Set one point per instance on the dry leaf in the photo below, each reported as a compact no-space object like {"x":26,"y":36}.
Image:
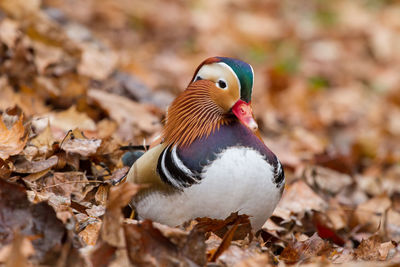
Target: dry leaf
{"x":368,"y":250}
{"x":371,"y":214}
{"x":67,"y":183}
{"x":72,"y":119}
{"x":83,"y":147}
{"x":91,"y":233}
{"x":299,"y":198}
{"x":96,"y":63}
{"x":25,"y":166}
{"x":119,"y":197}
{"x":13,"y":134}
{"x":36,"y":220}
{"x":326,"y":179}
{"x":127,"y":113}
{"x":302,"y":251}
{"x":20,"y":250}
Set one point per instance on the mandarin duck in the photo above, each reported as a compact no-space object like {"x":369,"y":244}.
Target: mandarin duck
{"x":211,"y":160}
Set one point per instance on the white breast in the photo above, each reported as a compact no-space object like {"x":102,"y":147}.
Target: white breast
{"x":238,"y":180}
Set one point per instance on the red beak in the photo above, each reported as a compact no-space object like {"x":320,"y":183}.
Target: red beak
{"x":244,"y":113}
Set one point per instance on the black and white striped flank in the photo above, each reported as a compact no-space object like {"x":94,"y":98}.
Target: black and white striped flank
{"x":173,"y":171}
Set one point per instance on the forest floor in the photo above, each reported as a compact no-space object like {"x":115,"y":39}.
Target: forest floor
{"x":81,"y":80}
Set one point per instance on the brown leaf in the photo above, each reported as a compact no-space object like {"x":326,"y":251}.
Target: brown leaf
{"x":299,"y":198}
{"x":127,"y":113}
{"x":20,"y":8}
{"x":21,"y":249}
{"x":103,"y":255}
{"x":326,"y":229}
{"x":44,"y":141}
{"x":95,"y":62}
{"x":36,"y":220}
{"x":226,"y":242}
{"x":25,"y":166}
{"x":13,"y":135}
{"x":147,"y":246}
{"x":67,"y":183}
{"x":326,"y":179}
{"x":119,"y":197}
{"x":370,"y":214}
{"x":368,"y":250}
{"x":4,"y":170}
{"x":91,"y":233}
{"x":301,"y":251}
{"x":221,"y":227}
{"x":83,"y":147}
{"x":72,"y":119}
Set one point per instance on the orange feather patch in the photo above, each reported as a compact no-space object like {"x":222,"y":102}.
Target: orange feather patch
{"x":192,"y":115}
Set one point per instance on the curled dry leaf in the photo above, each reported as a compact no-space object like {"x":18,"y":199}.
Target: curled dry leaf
{"x":13,"y":134}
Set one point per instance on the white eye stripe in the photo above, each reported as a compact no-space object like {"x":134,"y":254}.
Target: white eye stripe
{"x":234,"y":74}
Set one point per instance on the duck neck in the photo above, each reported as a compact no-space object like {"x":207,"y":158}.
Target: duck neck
{"x":193,"y":115}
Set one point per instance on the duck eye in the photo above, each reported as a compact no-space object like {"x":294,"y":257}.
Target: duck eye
{"x":198,"y":78}
{"x":221,"y":84}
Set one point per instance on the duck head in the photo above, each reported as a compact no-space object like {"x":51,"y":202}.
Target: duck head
{"x":219,"y":92}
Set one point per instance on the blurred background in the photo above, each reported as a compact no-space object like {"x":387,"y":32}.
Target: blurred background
{"x":326,"y":73}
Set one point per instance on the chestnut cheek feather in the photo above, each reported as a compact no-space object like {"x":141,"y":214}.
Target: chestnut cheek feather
{"x":244,"y":113}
